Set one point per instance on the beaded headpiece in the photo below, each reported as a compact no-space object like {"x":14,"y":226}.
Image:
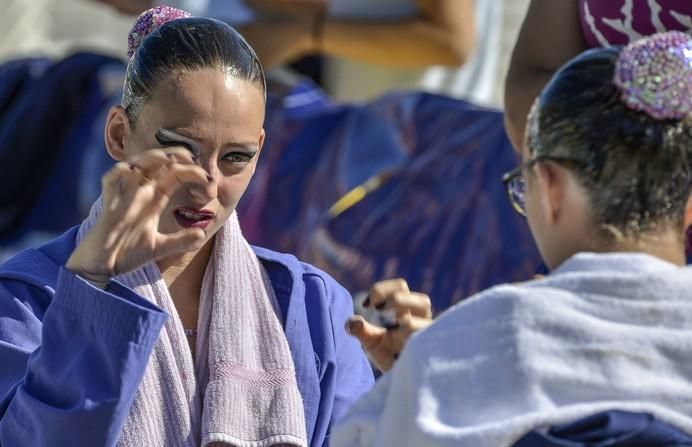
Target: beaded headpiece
{"x":149,"y":21}
{"x":655,"y":75}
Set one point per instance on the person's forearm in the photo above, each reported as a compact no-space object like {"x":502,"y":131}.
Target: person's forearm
{"x":403,"y":44}
{"x":550,"y":36}
{"x":76,"y":388}
{"x":278,"y":43}
{"x":522,"y":88}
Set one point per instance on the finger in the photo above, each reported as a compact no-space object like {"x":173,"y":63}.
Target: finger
{"x":367,"y":334}
{"x":110,"y":185}
{"x":176,"y":176}
{"x":118,"y":185}
{"x":383,"y":358}
{"x":154,"y":157}
{"x":108,"y":181}
{"x":180,"y":242}
{"x":385,"y":289}
{"x":418,"y":304}
{"x":129,"y":216}
{"x":396,"y":338}
{"x":154,"y":163}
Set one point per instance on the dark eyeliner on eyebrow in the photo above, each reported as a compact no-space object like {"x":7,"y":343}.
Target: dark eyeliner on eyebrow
{"x":170,"y":140}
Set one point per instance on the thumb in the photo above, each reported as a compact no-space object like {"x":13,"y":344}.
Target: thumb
{"x":368,"y":334}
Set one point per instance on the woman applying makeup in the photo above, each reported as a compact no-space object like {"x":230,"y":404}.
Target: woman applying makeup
{"x":154,"y":322}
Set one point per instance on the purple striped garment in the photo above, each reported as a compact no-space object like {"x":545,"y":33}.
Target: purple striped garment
{"x":619,"y":22}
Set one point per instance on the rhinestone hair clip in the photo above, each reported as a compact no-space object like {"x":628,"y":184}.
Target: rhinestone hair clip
{"x":655,"y":75}
{"x":149,"y":21}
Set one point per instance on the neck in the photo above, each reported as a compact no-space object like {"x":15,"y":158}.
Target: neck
{"x":666,"y":245}
{"x":188,"y":266}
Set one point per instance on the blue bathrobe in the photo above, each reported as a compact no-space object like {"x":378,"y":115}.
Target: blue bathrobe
{"x":72,"y":355}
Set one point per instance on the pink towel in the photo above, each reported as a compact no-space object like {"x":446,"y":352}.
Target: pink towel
{"x":241,"y":388}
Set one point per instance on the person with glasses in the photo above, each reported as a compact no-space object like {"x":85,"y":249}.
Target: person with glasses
{"x":605,"y":184}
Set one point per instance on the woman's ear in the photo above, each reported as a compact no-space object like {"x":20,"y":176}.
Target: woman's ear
{"x":551,"y":182}
{"x":116,"y":131}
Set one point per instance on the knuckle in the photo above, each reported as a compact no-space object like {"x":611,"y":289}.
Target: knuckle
{"x":399,"y":298}
{"x":376,"y":289}
{"x":118,"y":168}
{"x":427,"y":302}
{"x":155,"y":153}
{"x":178,"y":168}
{"x":400,"y":283}
{"x":180,"y":154}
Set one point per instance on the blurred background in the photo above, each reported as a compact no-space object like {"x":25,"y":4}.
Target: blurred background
{"x":385,"y":141}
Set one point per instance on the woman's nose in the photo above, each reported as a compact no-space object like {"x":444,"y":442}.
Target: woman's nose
{"x":207,"y":191}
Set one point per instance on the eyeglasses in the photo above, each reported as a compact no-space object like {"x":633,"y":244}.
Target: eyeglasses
{"x":515,"y":182}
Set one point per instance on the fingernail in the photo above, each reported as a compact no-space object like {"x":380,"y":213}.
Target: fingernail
{"x":366,"y":301}
{"x":381,"y":305}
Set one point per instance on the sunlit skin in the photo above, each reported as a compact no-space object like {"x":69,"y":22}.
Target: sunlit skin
{"x":206,"y":128}
{"x":194,"y":147}
{"x":219,"y":119}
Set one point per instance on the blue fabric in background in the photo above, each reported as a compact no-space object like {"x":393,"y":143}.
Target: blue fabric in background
{"x":47,"y":113}
{"x":442,"y":220}
{"x":609,"y":429}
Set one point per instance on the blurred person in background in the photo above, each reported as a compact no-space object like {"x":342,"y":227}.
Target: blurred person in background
{"x":409,"y":33}
{"x":605,"y":182}
{"x":62,"y":66}
{"x":480,"y":79}
{"x":59,"y":28}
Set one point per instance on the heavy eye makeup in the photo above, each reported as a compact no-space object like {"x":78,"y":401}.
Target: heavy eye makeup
{"x":168,"y":138}
{"x":239,"y":157}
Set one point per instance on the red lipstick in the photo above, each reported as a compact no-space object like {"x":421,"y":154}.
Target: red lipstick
{"x":188,"y":217}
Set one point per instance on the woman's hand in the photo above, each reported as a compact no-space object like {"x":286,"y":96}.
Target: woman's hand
{"x":126,"y":235}
{"x":412,"y":311}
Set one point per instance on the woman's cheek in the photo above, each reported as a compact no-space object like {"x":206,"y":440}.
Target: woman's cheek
{"x":231,"y":190}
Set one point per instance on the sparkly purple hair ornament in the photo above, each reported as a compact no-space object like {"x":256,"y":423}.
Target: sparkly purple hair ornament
{"x":149,"y":21}
{"x":655,"y":75}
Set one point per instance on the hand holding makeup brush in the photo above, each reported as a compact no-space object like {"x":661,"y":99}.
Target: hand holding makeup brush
{"x":411,"y":312}
{"x":135,"y":193}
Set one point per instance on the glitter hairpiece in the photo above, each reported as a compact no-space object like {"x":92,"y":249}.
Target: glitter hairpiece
{"x":655,"y":75}
{"x":148,"y":22}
